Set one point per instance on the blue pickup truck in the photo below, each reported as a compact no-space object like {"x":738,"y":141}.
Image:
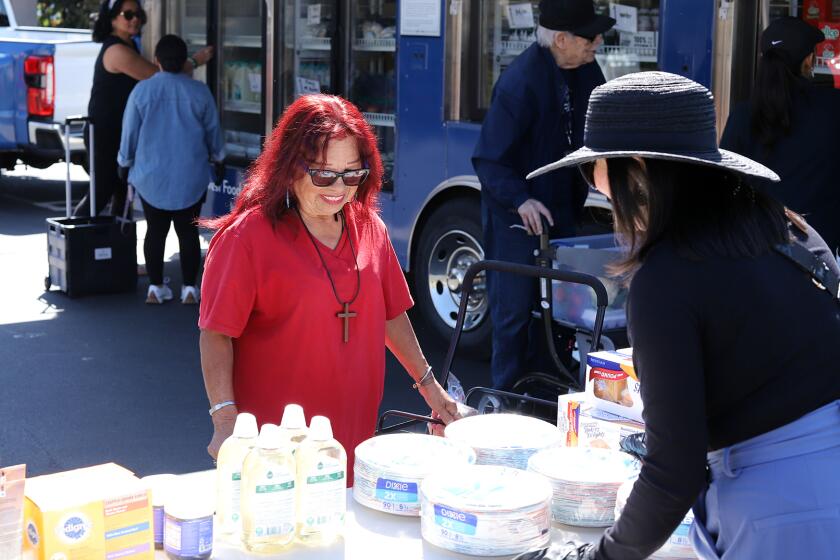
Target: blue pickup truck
{"x":45,"y":76}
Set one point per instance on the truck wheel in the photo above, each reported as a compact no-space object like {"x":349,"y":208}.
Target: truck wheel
{"x":449,"y":243}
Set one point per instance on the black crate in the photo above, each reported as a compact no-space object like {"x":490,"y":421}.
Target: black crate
{"x":92,"y":255}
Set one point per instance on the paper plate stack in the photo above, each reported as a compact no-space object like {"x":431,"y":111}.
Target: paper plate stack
{"x":585,"y":481}
{"x":506,"y":440}
{"x":389,"y":469}
{"x":486,"y":510}
{"x":678,"y":545}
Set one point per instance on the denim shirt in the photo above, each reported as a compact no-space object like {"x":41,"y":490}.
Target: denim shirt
{"x":536,"y":116}
{"x":170,"y":132}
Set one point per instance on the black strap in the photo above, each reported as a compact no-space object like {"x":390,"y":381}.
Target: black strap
{"x":821,"y":274}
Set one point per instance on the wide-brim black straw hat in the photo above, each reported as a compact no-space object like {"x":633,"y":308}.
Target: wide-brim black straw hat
{"x":655,"y":115}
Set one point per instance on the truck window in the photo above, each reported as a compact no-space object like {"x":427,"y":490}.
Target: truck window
{"x":4,"y":17}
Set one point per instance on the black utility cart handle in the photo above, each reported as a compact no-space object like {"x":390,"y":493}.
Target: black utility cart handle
{"x":534,"y":272}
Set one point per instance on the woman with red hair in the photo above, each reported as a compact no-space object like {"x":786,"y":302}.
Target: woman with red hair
{"x":302,"y":290}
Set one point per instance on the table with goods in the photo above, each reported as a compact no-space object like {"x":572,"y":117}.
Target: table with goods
{"x":495,"y":485}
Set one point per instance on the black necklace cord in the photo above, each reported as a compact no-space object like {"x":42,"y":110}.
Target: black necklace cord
{"x":344,"y":229}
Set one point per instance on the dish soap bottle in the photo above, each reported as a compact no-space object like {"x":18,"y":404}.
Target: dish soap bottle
{"x":268,"y":494}
{"x":322,"y":485}
{"x":229,"y":473}
{"x":293,"y":425}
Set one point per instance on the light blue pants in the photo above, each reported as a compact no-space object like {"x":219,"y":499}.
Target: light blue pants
{"x":776,"y":495}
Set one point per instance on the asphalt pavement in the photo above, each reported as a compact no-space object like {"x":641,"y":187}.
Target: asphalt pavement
{"x":107,"y":378}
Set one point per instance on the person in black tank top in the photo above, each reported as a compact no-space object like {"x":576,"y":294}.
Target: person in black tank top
{"x":118,"y":68}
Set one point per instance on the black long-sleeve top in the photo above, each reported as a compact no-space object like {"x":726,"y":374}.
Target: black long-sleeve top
{"x":726,"y":349}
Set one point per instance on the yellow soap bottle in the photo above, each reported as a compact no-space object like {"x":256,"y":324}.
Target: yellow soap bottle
{"x":229,"y":473}
{"x":268,"y":494}
{"x":322,"y":485}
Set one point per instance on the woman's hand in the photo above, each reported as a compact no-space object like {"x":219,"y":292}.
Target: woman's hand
{"x":203,"y":56}
{"x":443,"y":406}
{"x":223,"y":421}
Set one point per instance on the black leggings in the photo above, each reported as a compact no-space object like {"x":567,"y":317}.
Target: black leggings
{"x":157,"y":222}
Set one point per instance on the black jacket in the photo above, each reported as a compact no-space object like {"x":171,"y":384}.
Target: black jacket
{"x":807,"y":160}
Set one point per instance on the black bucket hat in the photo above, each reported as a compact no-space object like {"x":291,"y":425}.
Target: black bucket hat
{"x":575,"y":16}
{"x":655,"y":115}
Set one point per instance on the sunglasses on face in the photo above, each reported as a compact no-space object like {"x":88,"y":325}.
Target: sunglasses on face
{"x":326,"y":178}
{"x":587,"y":171}
{"x":131,"y":14}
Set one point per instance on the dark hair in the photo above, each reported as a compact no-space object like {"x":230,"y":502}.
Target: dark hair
{"x":303,"y":134}
{"x":102,"y":26}
{"x":705,"y":211}
{"x":171,"y":52}
{"x":772,"y":99}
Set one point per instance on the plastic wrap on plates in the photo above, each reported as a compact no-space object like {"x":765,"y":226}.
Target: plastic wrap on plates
{"x":507,"y":440}
{"x":678,"y":545}
{"x":585,"y":482}
{"x":486,"y":510}
{"x":388,"y":469}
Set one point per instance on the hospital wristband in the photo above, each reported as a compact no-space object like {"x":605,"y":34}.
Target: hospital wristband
{"x":217,"y":407}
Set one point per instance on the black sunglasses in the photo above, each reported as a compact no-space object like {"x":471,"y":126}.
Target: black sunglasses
{"x":131,"y":14}
{"x":587,"y":171}
{"x":326,"y":178}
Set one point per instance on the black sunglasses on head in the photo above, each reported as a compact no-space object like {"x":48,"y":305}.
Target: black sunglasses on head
{"x":131,"y":14}
{"x":326,"y":178}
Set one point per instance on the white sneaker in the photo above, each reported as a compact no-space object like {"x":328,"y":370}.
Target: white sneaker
{"x":190,"y":295}
{"x":158,"y":294}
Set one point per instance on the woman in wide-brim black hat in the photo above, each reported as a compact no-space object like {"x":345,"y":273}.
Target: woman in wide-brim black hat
{"x":736,"y":349}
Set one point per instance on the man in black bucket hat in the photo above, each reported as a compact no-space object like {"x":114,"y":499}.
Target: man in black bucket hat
{"x":535,"y":117}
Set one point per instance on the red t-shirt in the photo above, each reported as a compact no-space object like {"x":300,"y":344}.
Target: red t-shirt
{"x":267,"y":288}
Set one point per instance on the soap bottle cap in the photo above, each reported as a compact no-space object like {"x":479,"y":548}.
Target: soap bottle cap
{"x":269,"y":437}
{"x":293,"y":418}
{"x":246,"y":426}
{"x":320,"y":428}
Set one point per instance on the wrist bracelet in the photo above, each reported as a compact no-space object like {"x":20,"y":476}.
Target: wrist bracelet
{"x":194,"y":62}
{"x":425,"y":380}
{"x":217,"y":407}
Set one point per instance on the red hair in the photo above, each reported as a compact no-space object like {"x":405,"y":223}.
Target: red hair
{"x":301,"y":137}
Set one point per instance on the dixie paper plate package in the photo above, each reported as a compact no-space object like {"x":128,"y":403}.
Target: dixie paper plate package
{"x":101,"y":512}
{"x":612,"y":384}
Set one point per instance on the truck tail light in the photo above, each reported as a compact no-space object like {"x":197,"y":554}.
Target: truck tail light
{"x":39,"y":75}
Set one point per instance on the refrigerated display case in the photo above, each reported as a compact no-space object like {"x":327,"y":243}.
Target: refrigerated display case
{"x":240,"y":63}
{"x":371,"y":80}
{"x":310,"y":28}
{"x":508,"y":27}
{"x":188,"y":19}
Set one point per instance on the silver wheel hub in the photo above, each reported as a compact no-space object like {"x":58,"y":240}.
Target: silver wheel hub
{"x":451,"y":256}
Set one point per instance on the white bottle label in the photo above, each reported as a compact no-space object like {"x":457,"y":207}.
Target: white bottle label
{"x":273,"y":504}
{"x":233,"y":520}
{"x":324,"y":499}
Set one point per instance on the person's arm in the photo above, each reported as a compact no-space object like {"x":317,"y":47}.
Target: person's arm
{"x":212,"y":129}
{"x":507,"y":122}
{"x":402,"y":342}
{"x":122,"y":59}
{"x":668,"y":355}
{"x":735,"y":131}
{"x":217,"y":368}
{"x":132,"y":121}
{"x":200,"y":58}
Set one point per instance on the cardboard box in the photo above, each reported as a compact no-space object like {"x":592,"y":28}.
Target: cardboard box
{"x":612,"y":384}
{"x":585,"y":426}
{"x":95,"y":513}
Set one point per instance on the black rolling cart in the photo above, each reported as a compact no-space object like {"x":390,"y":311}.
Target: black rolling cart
{"x":93,"y":254}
